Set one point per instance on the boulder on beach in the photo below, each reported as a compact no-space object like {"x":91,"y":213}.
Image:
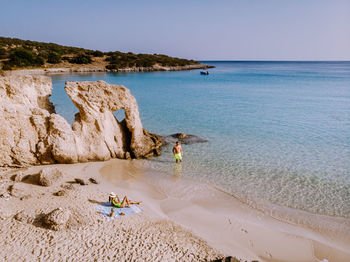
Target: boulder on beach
{"x":57,"y":219}
{"x":49,"y":176}
{"x":31,"y":133}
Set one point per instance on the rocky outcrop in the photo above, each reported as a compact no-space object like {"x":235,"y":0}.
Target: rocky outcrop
{"x":31,"y":133}
{"x":57,"y":219}
{"x":99,"y":135}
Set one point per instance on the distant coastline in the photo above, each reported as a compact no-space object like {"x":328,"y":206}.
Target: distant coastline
{"x":23,"y":56}
{"x":94,"y":69}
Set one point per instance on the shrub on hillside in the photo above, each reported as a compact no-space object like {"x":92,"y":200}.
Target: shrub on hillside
{"x":97,"y":53}
{"x":81,"y":59}
{"x":21,"y":57}
{"x":54,"y":58}
{"x":3,"y":53}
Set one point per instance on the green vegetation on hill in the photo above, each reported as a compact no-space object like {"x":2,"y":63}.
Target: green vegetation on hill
{"x":122,"y":60}
{"x":17,"y":53}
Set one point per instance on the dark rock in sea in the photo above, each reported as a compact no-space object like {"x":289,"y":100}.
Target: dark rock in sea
{"x":183,"y":138}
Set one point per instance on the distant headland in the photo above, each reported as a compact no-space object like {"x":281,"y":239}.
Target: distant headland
{"x":17,"y":54}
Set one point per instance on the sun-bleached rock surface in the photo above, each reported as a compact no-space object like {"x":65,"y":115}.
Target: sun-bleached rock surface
{"x":49,"y":176}
{"x":31,"y":133}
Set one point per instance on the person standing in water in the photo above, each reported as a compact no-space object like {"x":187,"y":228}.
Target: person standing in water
{"x":177,"y":151}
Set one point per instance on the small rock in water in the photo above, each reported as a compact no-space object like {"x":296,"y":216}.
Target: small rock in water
{"x":57,"y":219}
{"x":49,"y":176}
{"x":94,"y":180}
{"x":80,"y":181}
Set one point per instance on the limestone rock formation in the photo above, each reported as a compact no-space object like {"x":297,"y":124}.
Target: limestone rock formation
{"x":24,"y":112}
{"x":99,"y":135}
{"x":31,"y":133}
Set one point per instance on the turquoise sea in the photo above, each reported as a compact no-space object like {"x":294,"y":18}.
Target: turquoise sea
{"x":279,"y":132}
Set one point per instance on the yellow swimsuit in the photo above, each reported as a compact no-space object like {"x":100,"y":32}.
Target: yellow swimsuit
{"x":178,"y":156}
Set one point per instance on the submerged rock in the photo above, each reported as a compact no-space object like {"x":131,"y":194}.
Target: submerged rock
{"x":57,"y":219}
{"x":31,"y":133}
{"x":183,"y":138}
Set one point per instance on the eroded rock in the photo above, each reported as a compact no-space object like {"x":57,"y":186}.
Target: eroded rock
{"x":32,"y":134}
{"x":57,"y":219}
{"x":99,"y":135}
{"x":49,"y":176}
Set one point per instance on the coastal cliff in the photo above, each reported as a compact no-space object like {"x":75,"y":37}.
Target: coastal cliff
{"x":31,"y":133}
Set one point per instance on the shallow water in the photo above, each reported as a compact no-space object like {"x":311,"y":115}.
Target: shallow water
{"x":279,"y":132}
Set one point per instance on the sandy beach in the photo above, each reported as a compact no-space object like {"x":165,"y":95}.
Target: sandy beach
{"x":182,"y":220}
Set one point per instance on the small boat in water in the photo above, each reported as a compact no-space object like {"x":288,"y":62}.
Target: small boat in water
{"x":204,"y":72}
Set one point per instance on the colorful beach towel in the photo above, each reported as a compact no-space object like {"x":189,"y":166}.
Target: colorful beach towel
{"x":106,"y":208}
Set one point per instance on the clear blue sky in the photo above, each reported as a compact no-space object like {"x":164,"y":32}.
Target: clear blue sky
{"x":202,"y":29}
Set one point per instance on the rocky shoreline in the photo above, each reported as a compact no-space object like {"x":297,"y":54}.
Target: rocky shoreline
{"x":102,"y":68}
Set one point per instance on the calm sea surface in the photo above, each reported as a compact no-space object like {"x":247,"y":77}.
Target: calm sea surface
{"x":279,"y":132}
